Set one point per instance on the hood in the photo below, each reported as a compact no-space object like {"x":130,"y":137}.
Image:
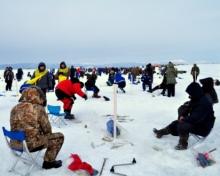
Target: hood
{"x":207,"y":84}
{"x":63,"y":63}
{"x":41,"y":64}
{"x":170,"y":65}
{"x":195,"y":91}
{"x":33,"y":95}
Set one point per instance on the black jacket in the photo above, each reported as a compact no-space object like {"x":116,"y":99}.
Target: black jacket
{"x":201,"y":114}
{"x":91,"y":80}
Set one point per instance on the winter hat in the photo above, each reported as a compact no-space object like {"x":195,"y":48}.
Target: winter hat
{"x":33,"y":95}
{"x":41,"y":64}
{"x":195,"y":91}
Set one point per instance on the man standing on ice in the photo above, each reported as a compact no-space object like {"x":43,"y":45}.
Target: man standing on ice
{"x":197,"y":118}
{"x":65,"y":92}
{"x":195,"y":72}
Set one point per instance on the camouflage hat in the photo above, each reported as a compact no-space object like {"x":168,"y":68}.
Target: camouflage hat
{"x":33,"y":95}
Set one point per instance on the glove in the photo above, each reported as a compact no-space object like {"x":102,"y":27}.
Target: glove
{"x":85,"y":97}
{"x":74,"y":97}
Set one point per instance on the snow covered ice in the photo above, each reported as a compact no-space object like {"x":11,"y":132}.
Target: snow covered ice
{"x":155,"y":157}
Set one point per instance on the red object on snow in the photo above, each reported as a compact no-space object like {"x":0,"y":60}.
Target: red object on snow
{"x":77,"y":164}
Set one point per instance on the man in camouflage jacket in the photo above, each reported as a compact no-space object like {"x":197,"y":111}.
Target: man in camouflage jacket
{"x":30,"y":116}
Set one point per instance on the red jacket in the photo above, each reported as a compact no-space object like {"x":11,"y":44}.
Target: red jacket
{"x":70,"y":88}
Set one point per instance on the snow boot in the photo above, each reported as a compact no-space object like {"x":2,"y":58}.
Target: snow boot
{"x":160,"y":133}
{"x":95,"y":95}
{"x":53,"y":164}
{"x":69,"y":116}
{"x":183,"y":143}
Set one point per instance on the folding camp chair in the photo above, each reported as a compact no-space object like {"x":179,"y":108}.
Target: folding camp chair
{"x":198,"y":140}
{"x":21,"y":154}
{"x":55,"y":115}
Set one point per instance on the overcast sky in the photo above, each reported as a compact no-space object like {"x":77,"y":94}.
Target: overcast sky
{"x":99,"y":31}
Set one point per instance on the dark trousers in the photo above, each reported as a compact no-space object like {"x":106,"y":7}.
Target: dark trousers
{"x":171,"y":90}
{"x":66,"y":100}
{"x":160,"y":87}
{"x":147,"y":84}
{"x":44,"y":91}
{"x":95,"y":89}
{"x":8,"y":85}
{"x":195,"y":78}
{"x":121,"y":85}
{"x":181,"y":128}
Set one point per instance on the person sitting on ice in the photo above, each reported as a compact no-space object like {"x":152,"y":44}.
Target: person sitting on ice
{"x":120,"y":81}
{"x":111,"y":78}
{"x":198,"y":118}
{"x":30,"y":116}
{"x":65,"y":92}
{"x":209,"y":90}
{"x":161,"y":86}
{"x":91,"y":84}
{"x":146,"y":80}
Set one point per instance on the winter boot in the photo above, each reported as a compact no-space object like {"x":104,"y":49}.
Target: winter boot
{"x":122,"y":90}
{"x":69,"y":116}
{"x":160,"y":133}
{"x":183,"y":143}
{"x":53,"y":164}
{"x":95,"y":95}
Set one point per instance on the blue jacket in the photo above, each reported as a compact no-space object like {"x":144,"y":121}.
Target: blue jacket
{"x":146,"y":79}
{"x":119,"y":78}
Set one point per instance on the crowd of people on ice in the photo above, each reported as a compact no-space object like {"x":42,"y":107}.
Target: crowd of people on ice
{"x":195,"y":116}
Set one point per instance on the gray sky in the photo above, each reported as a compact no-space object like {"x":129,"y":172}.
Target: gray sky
{"x":100,"y":31}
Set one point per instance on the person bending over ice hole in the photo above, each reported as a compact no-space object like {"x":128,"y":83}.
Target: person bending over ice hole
{"x":90,"y":85}
{"x":30,"y":116}
{"x":146,"y":81}
{"x":65,"y":92}
{"x":120,"y":81}
{"x":196,"y":117}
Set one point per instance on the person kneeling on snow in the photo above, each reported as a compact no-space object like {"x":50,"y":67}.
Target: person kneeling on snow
{"x":197,"y":118}
{"x":30,"y":116}
{"x":120,"y":80}
{"x":90,"y":85}
{"x":65,"y":92}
